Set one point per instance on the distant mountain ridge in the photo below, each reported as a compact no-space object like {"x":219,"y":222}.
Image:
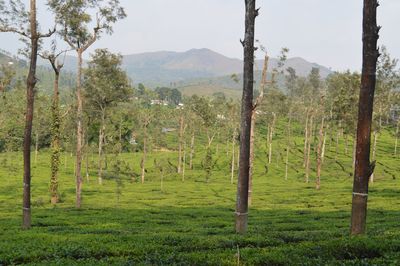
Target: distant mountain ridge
{"x":165,"y":67}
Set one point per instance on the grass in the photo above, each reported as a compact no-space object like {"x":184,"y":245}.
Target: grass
{"x":192,"y":222}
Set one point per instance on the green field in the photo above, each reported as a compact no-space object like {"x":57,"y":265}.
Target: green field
{"x":192,"y":222}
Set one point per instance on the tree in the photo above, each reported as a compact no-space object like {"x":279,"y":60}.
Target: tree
{"x":105,"y":85}
{"x":56,"y":65}
{"x":7,"y":74}
{"x":363,"y":167}
{"x":247,"y":106}
{"x":16,"y":19}
{"x":74,"y":17}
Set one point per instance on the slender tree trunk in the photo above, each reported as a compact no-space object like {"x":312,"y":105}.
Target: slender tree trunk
{"x":184,"y":162}
{"x":308,"y":161}
{"x":305,"y":139}
{"x":247,"y":105}
{"x":251,"y":158}
{"x":181,"y":127}
{"x":364,"y":168}
{"x":79,"y":132}
{"x":289,"y":129}
{"x":319,"y":153}
{"x":30,"y":97}
{"x":271,"y":135}
{"x":101,"y":142}
{"x":324,"y":144}
{"x":55,"y":142}
{"x":191,"y":152}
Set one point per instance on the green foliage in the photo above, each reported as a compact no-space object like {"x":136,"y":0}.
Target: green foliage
{"x":76,"y":18}
{"x":343,"y":90}
{"x":105,"y":82}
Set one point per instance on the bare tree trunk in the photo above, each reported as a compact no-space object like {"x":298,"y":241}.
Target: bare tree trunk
{"x":310,"y":135}
{"x":79,"y":133}
{"x":30,"y":97}
{"x":101,"y":142}
{"x":251,"y":158}
{"x":181,"y":128}
{"x":271,"y":135}
{"x":191,"y":152}
{"x":247,"y":106}
{"x":324,"y":144}
{"x":289,"y":129}
{"x":305,"y":139}
{"x":319,"y":153}
{"x":184,"y":162}
{"x":364,"y":168}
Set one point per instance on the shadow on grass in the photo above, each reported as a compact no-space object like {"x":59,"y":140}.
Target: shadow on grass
{"x":196,"y":236}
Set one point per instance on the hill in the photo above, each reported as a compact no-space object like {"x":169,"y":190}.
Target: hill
{"x":165,"y":67}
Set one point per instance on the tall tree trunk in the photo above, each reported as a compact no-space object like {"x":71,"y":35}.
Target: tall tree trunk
{"x":324,"y":143}
{"x":55,"y":141}
{"x":251,"y":158}
{"x":184,"y":162}
{"x":364,"y":168}
{"x":233,"y":155}
{"x":180,"y":142}
{"x":79,"y":133}
{"x":397,"y":138}
{"x":308,"y":161}
{"x":271,"y":135}
{"x":247,"y":106}
{"x":191,"y":152}
{"x":289,"y":129}
{"x":30,"y":97}
{"x":319,"y":153}
{"x":305,"y":139}
{"x":101,"y":142}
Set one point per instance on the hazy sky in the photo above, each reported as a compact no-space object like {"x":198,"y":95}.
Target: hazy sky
{"x":324,"y":31}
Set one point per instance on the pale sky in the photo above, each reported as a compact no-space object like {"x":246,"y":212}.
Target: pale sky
{"x":327,"y":32}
